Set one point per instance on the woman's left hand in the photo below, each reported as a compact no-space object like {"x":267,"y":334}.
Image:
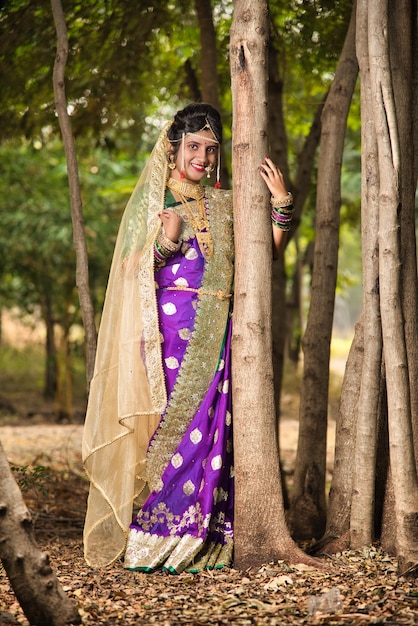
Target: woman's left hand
{"x":273,"y":178}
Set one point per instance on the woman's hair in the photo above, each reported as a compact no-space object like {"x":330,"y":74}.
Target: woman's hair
{"x":191,"y":119}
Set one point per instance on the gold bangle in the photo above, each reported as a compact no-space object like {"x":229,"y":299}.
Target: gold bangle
{"x":167,"y":244}
{"x":279,"y":203}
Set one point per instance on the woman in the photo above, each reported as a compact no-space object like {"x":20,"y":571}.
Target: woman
{"x":158,"y":434}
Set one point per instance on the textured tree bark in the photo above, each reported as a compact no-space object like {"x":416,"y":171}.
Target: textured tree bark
{"x":336,"y":536}
{"x":401,"y":449}
{"x":260,"y":529}
{"x":364,"y":454}
{"x":308,"y":509}
{"x":403,"y":59}
{"x":404,"y":69}
{"x":34,"y":583}
{"x":286,"y":319}
{"x":82,"y":272}
{"x":387,"y":399}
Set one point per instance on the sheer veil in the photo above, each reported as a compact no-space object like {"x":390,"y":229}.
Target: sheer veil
{"x":127,"y":392}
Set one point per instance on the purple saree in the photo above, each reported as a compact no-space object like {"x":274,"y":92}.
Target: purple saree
{"x":186,"y":521}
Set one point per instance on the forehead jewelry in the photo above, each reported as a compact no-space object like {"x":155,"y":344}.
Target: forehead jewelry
{"x":207,"y":126}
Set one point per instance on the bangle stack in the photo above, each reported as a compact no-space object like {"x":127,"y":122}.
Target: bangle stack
{"x":282,"y":211}
{"x":164,"y":247}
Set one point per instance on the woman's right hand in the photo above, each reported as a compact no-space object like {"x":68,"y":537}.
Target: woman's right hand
{"x":172,"y":224}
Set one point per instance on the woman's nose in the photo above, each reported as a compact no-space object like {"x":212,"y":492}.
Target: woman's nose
{"x":202,"y":154}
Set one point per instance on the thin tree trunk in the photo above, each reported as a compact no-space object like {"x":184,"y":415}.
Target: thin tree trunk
{"x":300,"y":190}
{"x":336,"y":536}
{"x":308,"y":511}
{"x":402,"y":461}
{"x":278,"y":152}
{"x":404,"y":67}
{"x":403,"y":58}
{"x":208,"y":44}
{"x":260,"y":529}
{"x":34,"y":583}
{"x":51,"y":356}
{"x":82,"y":272}
{"x":277,"y":127}
{"x":209,"y":68}
{"x":363,"y":496}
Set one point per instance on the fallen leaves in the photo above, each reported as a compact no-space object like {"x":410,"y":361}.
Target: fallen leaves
{"x":368,"y":591}
{"x":364,"y":584}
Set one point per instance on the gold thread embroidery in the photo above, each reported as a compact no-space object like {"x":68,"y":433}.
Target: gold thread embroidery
{"x":201,"y":358}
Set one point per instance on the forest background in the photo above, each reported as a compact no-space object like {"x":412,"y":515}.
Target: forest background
{"x":128,"y":72}
{"x":129,"y":69}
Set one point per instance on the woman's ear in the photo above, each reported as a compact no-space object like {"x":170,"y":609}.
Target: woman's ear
{"x":172,"y":150}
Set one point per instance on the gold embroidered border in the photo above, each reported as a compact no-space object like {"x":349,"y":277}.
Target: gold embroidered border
{"x":148,"y":552}
{"x":201,"y":358}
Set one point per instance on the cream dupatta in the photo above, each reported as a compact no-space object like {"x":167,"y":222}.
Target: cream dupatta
{"x":127,"y":391}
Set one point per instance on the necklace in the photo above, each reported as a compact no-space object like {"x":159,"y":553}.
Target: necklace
{"x":199,"y":221}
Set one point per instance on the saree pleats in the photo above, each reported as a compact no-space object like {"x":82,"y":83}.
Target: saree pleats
{"x":186,"y":522}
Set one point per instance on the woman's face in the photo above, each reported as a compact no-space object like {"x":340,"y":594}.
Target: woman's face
{"x":200,"y":152}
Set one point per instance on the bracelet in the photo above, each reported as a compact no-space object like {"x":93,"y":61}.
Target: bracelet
{"x":167,"y":244}
{"x":288,"y":210}
{"x":159,"y":253}
{"x":282,"y":218}
{"x":279,"y":203}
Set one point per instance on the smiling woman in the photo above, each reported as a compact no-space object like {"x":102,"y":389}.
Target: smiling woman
{"x":158,"y":428}
{"x":158,"y":431}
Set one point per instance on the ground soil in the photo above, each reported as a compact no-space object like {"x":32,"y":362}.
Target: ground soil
{"x":359,"y":588}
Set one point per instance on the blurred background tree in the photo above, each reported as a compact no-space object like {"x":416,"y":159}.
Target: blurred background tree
{"x":130,"y":67}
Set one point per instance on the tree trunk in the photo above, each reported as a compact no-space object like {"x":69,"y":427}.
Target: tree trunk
{"x":260,"y":529}
{"x":82,"y":272}
{"x":51,"y":357}
{"x":308,"y":511}
{"x":403,"y":58}
{"x":300,"y":190}
{"x":402,"y":460}
{"x":336,"y":537}
{"x":29,"y":571}
{"x":404,"y":68}
{"x":363,"y":496}
{"x":208,"y":62}
{"x":209,"y":67}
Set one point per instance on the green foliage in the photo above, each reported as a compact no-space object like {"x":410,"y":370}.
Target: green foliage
{"x":120,"y":58}
{"x":38,"y":259}
{"x":32,"y":479}
{"x":307,"y":38}
{"x":129,"y":67}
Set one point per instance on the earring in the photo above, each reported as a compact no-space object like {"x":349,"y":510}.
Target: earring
{"x":182,"y":174}
{"x":171,"y":161}
{"x":209,"y":169}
